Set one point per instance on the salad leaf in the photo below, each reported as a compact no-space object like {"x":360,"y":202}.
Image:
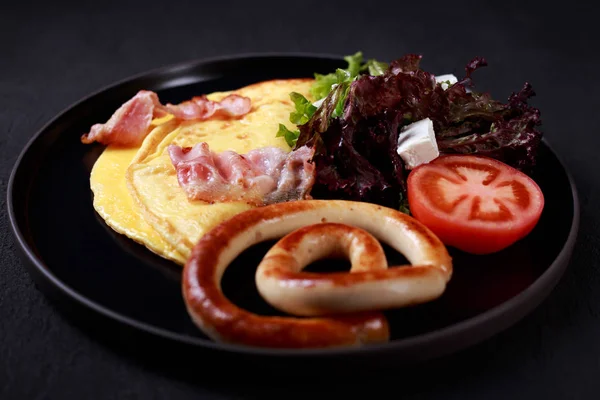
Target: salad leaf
{"x":512,"y":137}
{"x":304,"y":109}
{"x":290,"y":136}
{"x":376,"y":67}
{"x":342,"y":95}
{"x":324,"y":84}
{"x":354,"y":63}
{"x":338,"y":83}
{"x":404,"y":206}
{"x":321,"y":119}
{"x":355,"y":130}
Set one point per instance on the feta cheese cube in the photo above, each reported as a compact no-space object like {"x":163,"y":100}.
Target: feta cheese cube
{"x":417,"y":144}
{"x":446,"y":80}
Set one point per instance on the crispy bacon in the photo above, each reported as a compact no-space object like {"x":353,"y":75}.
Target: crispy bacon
{"x":128,"y":126}
{"x":262,"y":176}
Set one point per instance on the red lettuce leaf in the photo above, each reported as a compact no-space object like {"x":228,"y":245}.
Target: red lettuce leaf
{"x":355,"y":152}
{"x":512,"y":137}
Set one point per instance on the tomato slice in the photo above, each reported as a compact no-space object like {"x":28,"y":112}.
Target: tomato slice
{"x":476,"y":204}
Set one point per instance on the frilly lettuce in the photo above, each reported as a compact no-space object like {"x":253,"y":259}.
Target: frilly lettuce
{"x":355,"y":129}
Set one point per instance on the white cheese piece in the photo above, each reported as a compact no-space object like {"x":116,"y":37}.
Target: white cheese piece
{"x":444,"y":79}
{"x":417,"y":144}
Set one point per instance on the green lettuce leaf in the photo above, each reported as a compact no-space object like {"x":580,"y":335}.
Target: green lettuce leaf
{"x":340,"y":81}
{"x":375,"y":67}
{"x":322,"y":85}
{"x":291,"y":137}
{"x":304,"y":112}
{"x":354,"y":64}
{"x":304,"y":109}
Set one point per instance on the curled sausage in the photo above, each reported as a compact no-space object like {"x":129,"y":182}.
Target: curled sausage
{"x":370,"y":285}
{"x":221,"y":320}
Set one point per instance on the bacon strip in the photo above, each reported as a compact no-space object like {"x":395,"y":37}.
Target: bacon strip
{"x":202,"y":108}
{"x":262,"y":176}
{"x":128,"y":126}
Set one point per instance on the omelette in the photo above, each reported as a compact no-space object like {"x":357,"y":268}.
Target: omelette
{"x":136,"y":190}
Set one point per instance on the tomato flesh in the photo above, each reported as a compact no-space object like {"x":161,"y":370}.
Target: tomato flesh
{"x":474,"y":203}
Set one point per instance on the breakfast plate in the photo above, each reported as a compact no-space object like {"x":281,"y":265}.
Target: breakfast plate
{"x":131,"y":290}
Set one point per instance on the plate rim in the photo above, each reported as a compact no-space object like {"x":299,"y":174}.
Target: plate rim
{"x":554,"y":271}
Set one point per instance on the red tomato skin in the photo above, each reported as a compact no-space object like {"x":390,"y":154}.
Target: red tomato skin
{"x":467,"y":239}
{"x":473,"y":240}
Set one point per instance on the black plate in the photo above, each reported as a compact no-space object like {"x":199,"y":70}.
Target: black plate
{"x":122,"y":291}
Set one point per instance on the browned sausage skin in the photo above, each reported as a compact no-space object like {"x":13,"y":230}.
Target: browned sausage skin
{"x":223,"y":321}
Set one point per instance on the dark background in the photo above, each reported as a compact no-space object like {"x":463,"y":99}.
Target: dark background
{"x":52,"y":55}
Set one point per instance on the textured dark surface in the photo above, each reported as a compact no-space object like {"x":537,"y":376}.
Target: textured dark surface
{"x":52,"y":56}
